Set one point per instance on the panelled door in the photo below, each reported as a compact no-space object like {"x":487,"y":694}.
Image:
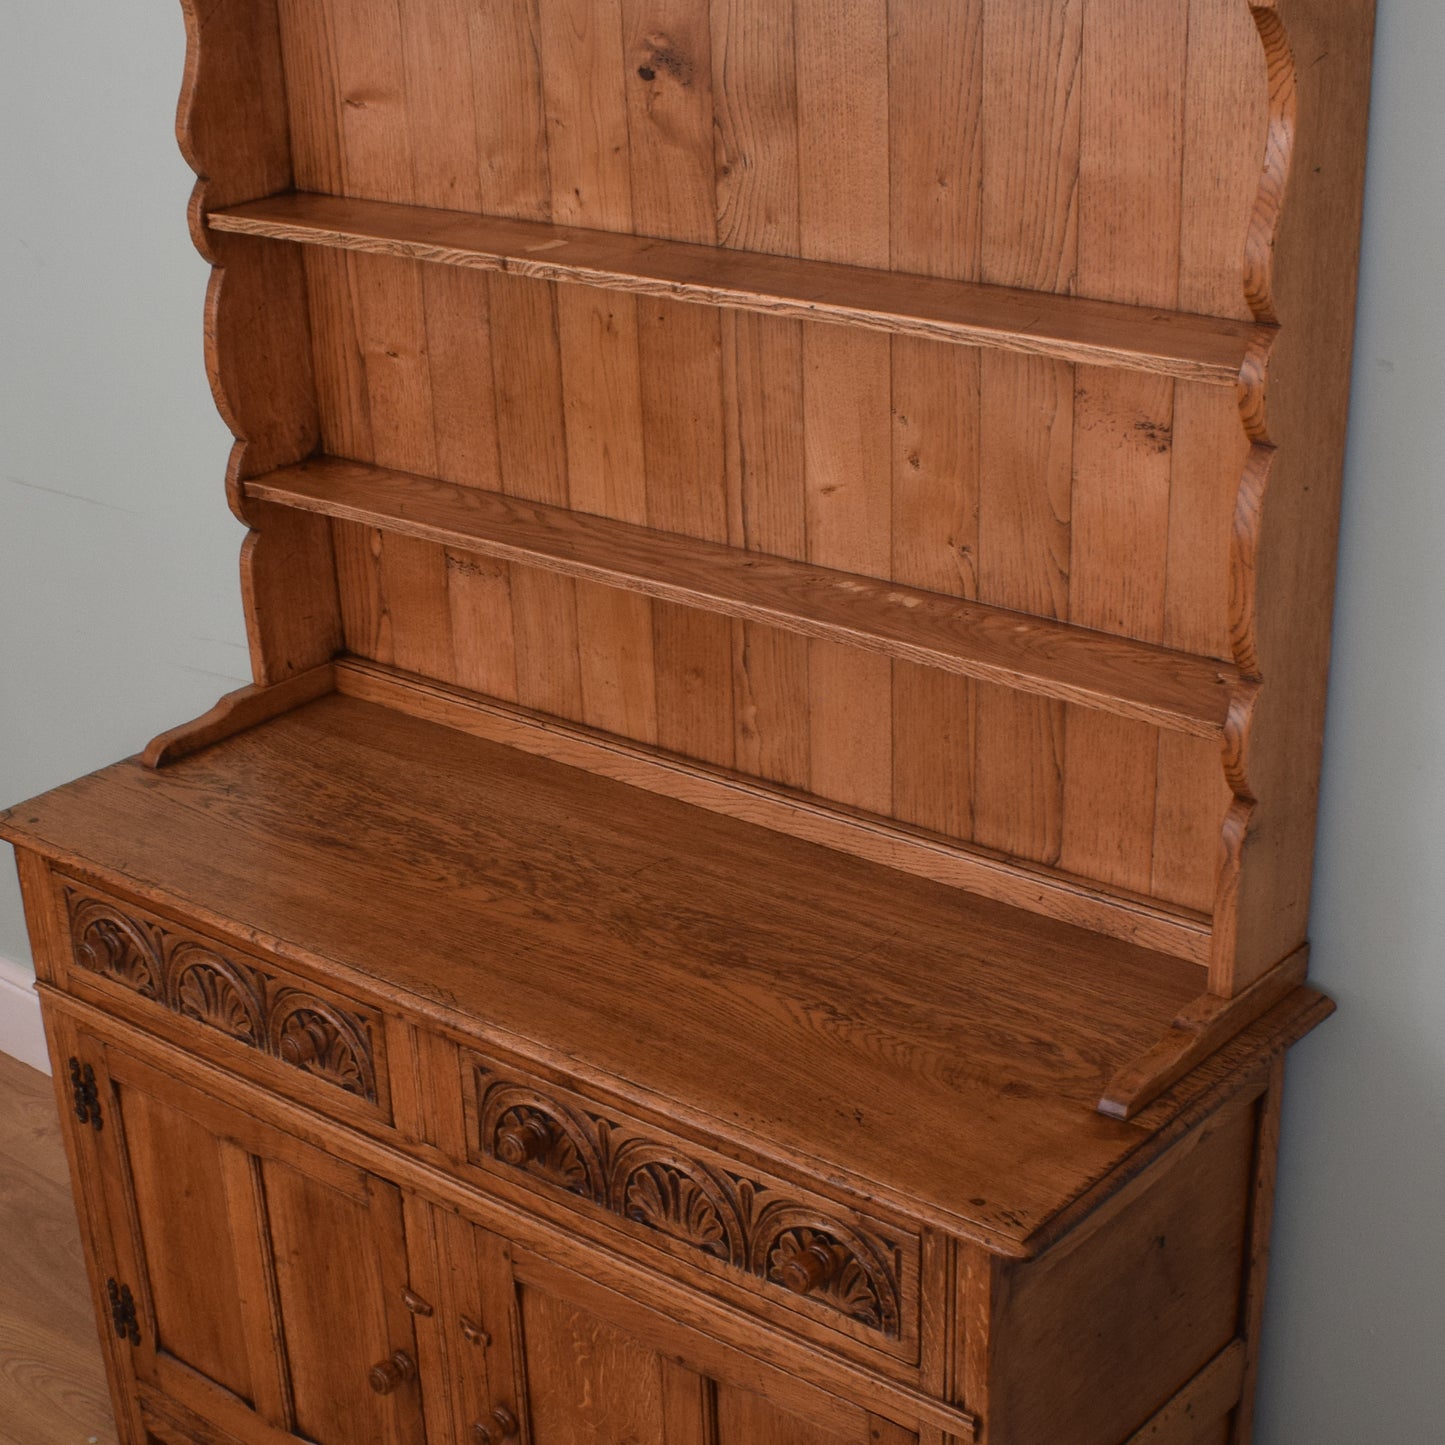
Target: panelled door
{"x":259,"y":1282}
{"x":539,"y":1355}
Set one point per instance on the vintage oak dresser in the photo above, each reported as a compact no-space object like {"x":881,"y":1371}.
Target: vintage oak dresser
{"x":758,"y":895}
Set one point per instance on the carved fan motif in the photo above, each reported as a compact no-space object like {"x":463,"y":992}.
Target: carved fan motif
{"x":110,"y":944}
{"x":529,"y":1138}
{"x":666,"y":1199}
{"x":207,"y":989}
{"x":814,"y":1264}
{"x":310,"y":1036}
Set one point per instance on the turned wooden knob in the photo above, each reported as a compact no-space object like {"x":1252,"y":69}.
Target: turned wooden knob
{"x":809,"y":1269}
{"x":501,"y":1425}
{"x":303,"y":1045}
{"x":522,"y":1141}
{"x":391,"y":1374}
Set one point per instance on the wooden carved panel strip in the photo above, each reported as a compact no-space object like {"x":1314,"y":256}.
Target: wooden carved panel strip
{"x":738,"y":1221}
{"x":194,"y":979}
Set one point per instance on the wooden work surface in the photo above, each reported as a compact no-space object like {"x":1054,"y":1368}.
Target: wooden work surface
{"x":940,"y":1051}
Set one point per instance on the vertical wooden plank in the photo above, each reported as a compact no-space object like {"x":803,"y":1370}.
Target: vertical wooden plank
{"x":582,"y":82}
{"x":343,"y":405}
{"x":258,"y":1305}
{"x":369,"y":88}
{"x":390,"y":308}
{"x":457,"y":307}
{"x":1130,"y":174}
{"x":1031,"y":60}
{"x":313,"y":106}
{"x":935,"y":105}
{"x":1226,"y":114}
{"x":515,"y":180}
{"x":842,"y":59}
{"x":755,"y":103}
{"x":505,"y":47}
{"x":384,"y":305}
{"x":668,"y":69}
{"x":440,"y":82}
{"x":688,"y":1406}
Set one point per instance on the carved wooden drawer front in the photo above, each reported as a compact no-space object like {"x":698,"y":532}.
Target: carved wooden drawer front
{"x":287,"y":1027}
{"x":753,"y":1232}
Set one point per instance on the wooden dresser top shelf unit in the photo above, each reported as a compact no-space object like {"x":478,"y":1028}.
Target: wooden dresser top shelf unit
{"x":1215,"y":350}
{"x":868,"y":1015}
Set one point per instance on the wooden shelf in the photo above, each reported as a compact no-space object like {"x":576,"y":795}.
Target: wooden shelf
{"x":1171,"y":690}
{"x":1205,"y":349}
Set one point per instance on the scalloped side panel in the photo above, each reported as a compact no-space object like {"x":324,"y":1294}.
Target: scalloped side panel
{"x":233,"y":130}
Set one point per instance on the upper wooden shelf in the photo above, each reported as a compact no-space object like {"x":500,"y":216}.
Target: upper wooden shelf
{"x":1172,"y":690}
{"x":1206,"y":349}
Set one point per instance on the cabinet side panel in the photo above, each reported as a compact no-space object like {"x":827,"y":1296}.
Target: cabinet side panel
{"x":1322,"y":48}
{"x":1108,"y":1325}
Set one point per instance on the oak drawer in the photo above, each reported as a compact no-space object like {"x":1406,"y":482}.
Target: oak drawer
{"x":760,"y":1241}
{"x":248,"y":1013}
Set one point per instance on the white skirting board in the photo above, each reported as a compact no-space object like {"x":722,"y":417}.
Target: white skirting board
{"x":21,"y":1034}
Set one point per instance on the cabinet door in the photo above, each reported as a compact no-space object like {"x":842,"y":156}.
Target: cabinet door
{"x":542,"y":1356}
{"x":258,"y":1281}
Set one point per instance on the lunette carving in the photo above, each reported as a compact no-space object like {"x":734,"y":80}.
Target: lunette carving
{"x":108,"y":943}
{"x":734,"y":1220}
{"x":308,"y":1034}
{"x":205,"y":987}
{"x":239,"y":1000}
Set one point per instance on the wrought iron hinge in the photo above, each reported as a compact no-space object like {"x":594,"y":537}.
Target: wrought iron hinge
{"x":86,"y":1094}
{"x":122,"y":1311}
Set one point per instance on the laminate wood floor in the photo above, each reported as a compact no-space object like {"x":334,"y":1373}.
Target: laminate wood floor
{"x":52,"y":1382}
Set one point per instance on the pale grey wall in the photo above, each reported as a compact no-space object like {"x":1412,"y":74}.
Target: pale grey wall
{"x":119,"y":615}
{"x":1355,"y":1343}
{"x":119,"y":602}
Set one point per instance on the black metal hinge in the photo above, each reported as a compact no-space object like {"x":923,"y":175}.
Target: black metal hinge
{"x":122,"y":1311}
{"x":86,"y":1094}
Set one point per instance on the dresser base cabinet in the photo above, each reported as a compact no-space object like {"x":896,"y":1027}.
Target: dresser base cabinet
{"x":335,"y":1190}
{"x":272,"y":1281}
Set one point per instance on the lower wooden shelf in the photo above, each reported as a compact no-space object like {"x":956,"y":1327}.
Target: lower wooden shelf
{"x":1177,"y":691}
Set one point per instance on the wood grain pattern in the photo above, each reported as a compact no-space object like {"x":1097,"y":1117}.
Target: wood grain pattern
{"x":1206,"y":349}
{"x":1180,"y":932}
{"x":1029,"y":237}
{"x":659,"y":920}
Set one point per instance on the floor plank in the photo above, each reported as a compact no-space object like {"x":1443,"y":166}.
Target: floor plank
{"x":52,"y":1382}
